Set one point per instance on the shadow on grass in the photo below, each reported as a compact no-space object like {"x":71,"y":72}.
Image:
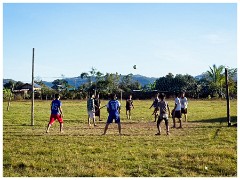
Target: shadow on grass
{"x":21,"y":125}
{"x":218,"y":120}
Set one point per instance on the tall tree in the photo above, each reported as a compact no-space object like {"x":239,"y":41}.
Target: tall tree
{"x":216,"y":77}
{"x":60,"y":84}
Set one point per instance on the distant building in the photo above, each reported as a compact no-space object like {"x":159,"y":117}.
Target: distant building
{"x":25,"y":89}
{"x":29,"y":87}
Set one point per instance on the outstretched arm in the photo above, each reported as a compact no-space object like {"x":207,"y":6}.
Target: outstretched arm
{"x":151,"y":106}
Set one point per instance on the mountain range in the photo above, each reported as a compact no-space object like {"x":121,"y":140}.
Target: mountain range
{"x":77,"y":81}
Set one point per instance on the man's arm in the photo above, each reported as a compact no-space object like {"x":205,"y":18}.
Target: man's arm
{"x":60,"y":109}
{"x":168,"y":110}
{"x":151,"y":105}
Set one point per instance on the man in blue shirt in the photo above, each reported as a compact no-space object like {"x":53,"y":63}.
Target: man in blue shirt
{"x":56,"y":113}
{"x":113,"y":108}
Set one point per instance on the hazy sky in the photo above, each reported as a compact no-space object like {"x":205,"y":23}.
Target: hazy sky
{"x":159,"y":38}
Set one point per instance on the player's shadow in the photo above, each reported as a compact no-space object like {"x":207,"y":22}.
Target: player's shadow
{"x":19,"y":125}
{"x":219,"y":120}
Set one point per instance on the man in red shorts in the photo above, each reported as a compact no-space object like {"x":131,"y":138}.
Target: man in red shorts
{"x":56,"y":113}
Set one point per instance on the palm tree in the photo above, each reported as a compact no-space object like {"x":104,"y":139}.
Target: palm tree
{"x":216,"y":76}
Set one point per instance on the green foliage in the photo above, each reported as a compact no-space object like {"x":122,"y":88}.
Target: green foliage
{"x":212,"y":83}
{"x":60,"y":85}
{"x":9,"y":85}
{"x":179,"y":83}
{"x":81,"y":151}
{"x":6,"y":93}
{"x":216,"y":78}
{"x":127,"y":84}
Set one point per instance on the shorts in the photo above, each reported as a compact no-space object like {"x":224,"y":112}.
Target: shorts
{"x":91,"y":114}
{"x":178,"y":114}
{"x":184,"y":111}
{"x":53,"y":117}
{"x":156,"y":110}
{"x":163,"y":117}
{"x":111,"y":117}
{"x":97,"y":112}
{"x":128,"y":108}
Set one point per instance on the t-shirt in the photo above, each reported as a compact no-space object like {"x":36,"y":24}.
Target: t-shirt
{"x":177,"y":101}
{"x":184,"y":102}
{"x":97,"y":102}
{"x":129,"y":103}
{"x":113,"y":106}
{"x":90,"y":104}
{"x":55,"y":106}
{"x":163,"y":107}
{"x":155,"y":102}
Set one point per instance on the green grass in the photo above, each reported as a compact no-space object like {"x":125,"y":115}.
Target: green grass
{"x":205,"y":141}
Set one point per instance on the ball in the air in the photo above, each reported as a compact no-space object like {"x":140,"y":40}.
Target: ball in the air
{"x":134,"y":67}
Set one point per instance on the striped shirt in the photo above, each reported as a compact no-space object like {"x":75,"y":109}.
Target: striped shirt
{"x":90,"y":104}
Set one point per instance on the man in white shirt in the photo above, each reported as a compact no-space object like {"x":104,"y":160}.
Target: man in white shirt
{"x":177,"y":111}
{"x":184,"y":104}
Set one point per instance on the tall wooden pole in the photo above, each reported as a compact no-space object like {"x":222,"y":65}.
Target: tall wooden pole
{"x":227,"y":97}
{"x":32,"y":112}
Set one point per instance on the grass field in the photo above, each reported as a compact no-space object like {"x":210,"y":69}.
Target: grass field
{"x":205,"y":147}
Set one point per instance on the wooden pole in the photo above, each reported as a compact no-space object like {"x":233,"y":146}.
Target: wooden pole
{"x":32,"y":112}
{"x":227,"y":97}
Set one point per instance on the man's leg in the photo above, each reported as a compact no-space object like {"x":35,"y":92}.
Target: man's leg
{"x":174,"y":122}
{"x":186,"y":117}
{"x":106,"y":128}
{"x":119,"y":128}
{"x":48,"y":127}
{"x":51,"y":121}
{"x":167,"y":126}
{"x":94,"y":121}
{"x":155,"y":116}
{"x":89,"y":123}
{"x":61,"y":127}
{"x":158,"y":127}
{"x":180,"y":121}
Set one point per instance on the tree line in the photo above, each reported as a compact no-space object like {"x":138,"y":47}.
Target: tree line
{"x":210,"y":85}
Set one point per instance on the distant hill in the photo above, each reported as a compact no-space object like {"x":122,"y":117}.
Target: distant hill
{"x":143,"y":80}
{"x":77,"y":81}
{"x":7,"y":80}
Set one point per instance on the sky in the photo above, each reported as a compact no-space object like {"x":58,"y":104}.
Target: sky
{"x":159,"y":38}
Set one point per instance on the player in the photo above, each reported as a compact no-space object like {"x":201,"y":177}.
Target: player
{"x":164,"y":114}
{"x":184,"y":104}
{"x":177,"y":111}
{"x":129,"y":107}
{"x":91,"y":109}
{"x":154,"y":104}
{"x":97,"y":104}
{"x":113,"y":108}
{"x":56,"y":113}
